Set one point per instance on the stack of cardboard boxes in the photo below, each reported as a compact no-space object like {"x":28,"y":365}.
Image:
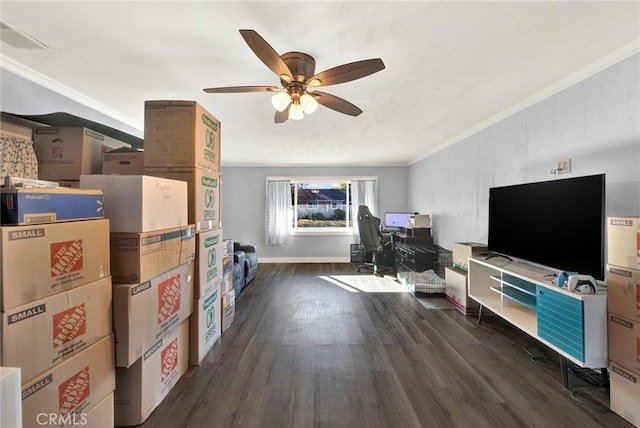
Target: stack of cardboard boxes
{"x":152,"y":251}
{"x":182,"y":142}
{"x":623,"y":305}
{"x":456,"y":289}
{"x":56,"y":305}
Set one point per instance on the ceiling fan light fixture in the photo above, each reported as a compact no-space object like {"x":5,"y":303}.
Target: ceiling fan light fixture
{"x":308,"y":103}
{"x":314,"y":82}
{"x":296,"y":112}
{"x":281,"y":100}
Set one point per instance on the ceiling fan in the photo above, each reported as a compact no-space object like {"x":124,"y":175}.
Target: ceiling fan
{"x":296,"y":71}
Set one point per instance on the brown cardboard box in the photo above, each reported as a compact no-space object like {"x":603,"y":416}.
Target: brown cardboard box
{"x":72,"y":388}
{"x":101,"y":415}
{"x":125,"y":161}
{"x":140,"y":203}
{"x":228,"y":309}
{"x":208,"y":261}
{"x":43,"y":333}
{"x":39,"y":261}
{"x":204,"y":325}
{"x":137,"y":257}
{"x":623,"y":292}
{"x":456,"y":291}
{"x":143,"y":313}
{"x":625,"y":390}
{"x":204,"y":194}
{"x":10,"y":402}
{"x":624,"y":342}
{"x":180,"y":134}
{"x":67,"y":153}
{"x":143,"y":386}
{"x":623,"y":242}
{"x":463,"y":250}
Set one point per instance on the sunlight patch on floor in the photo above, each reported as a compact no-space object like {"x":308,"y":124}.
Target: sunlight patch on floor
{"x":366,"y":283}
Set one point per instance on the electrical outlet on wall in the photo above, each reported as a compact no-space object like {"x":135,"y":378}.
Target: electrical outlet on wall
{"x":563,"y":166}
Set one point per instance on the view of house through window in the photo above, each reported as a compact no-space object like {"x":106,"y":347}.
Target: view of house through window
{"x":321,"y":204}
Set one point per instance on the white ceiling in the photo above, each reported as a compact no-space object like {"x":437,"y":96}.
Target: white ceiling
{"x":452,"y":67}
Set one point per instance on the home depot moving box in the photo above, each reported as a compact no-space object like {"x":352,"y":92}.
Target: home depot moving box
{"x":67,"y":153}
{"x":10,"y":402}
{"x":101,"y":415}
{"x":180,"y":134}
{"x":208,"y":261}
{"x":142,"y":387}
{"x":463,"y":250}
{"x":623,"y":292}
{"x":624,"y":342}
{"x":623,"y":242}
{"x":39,"y":261}
{"x":625,"y":390}
{"x":204,"y":194}
{"x":140,"y":203}
{"x":43,"y":333}
{"x":204,"y":325}
{"x":70,"y":390}
{"x":136,"y":257}
{"x":143,"y":313}
{"x":125,"y":161}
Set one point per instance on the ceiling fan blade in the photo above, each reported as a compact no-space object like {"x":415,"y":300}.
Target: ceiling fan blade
{"x":266,"y":53}
{"x":336,"y":103}
{"x":282,"y":116}
{"x":235,"y":89}
{"x":347,"y":72}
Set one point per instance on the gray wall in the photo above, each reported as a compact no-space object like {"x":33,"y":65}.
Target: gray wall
{"x":243,"y":199}
{"x":596,"y":123}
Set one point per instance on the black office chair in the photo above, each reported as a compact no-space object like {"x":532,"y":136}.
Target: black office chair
{"x":372,"y":240}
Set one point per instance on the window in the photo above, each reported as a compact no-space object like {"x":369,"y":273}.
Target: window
{"x":321,"y":205}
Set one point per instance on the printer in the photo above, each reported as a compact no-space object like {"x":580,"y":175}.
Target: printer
{"x":420,"y":221}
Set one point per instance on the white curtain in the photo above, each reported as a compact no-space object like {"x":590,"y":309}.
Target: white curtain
{"x":363,"y":192}
{"x":278,"y":212}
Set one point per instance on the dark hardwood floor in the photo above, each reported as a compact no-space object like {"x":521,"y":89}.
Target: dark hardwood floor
{"x":303,"y":352}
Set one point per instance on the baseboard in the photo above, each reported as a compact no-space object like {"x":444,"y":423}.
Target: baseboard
{"x":304,"y":260}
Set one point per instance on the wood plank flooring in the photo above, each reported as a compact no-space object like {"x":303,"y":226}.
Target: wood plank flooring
{"x":303,"y":352}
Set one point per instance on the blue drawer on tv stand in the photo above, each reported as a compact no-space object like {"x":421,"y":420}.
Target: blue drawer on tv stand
{"x":560,"y":321}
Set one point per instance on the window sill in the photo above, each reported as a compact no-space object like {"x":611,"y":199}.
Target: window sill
{"x":322,"y":232}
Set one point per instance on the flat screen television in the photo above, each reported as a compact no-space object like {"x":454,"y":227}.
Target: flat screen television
{"x":559,"y":223}
{"x":396,"y":219}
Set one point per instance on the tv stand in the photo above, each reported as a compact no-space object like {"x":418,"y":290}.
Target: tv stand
{"x":574,"y":325}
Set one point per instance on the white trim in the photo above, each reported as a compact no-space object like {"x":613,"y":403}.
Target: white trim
{"x":305,"y":260}
{"x":614,"y":57}
{"x":322,"y":231}
{"x":321,"y":178}
{"x":57,"y":87}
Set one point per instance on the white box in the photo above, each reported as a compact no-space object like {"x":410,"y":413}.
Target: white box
{"x":140,"y":203}
{"x":623,"y":241}
{"x":623,"y":292}
{"x":125,"y":161}
{"x":625,"y":390}
{"x":209,"y":254}
{"x":145,"y":312}
{"x":143,"y":386}
{"x":456,"y":291}
{"x":66,"y":153}
{"x":624,"y":342}
{"x":204,"y":325}
{"x":228,"y":309}
{"x":10,"y":399}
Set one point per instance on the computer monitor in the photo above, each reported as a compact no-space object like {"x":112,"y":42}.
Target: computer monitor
{"x":397,"y":219}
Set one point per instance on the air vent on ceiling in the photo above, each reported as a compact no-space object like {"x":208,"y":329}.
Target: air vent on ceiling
{"x":19,"y":39}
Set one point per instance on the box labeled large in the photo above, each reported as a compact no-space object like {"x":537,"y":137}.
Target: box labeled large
{"x":137,"y":257}
{"x":208,"y":261}
{"x":43,"y":333}
{"x":623,"y":241}
{"x":463,"y":250}
{"x":39,"y":261}
{"x":623,"y":292}
{"x":143,"y":313}
{"x":140,"y":203}
{"x":204,"y":194}
{"x":624,"y":342}
{"x":125,"y":161}
{"x":67,"y":153}
{"x":456,"y":290}
{"x":10,"y":402}
{"x":49,"y":205}
{"x":69,"y":390}
{"x":182,"y":134}
{"x":204,"y":326}
{"x":143,"y":386}
{"x":625,"y":390}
